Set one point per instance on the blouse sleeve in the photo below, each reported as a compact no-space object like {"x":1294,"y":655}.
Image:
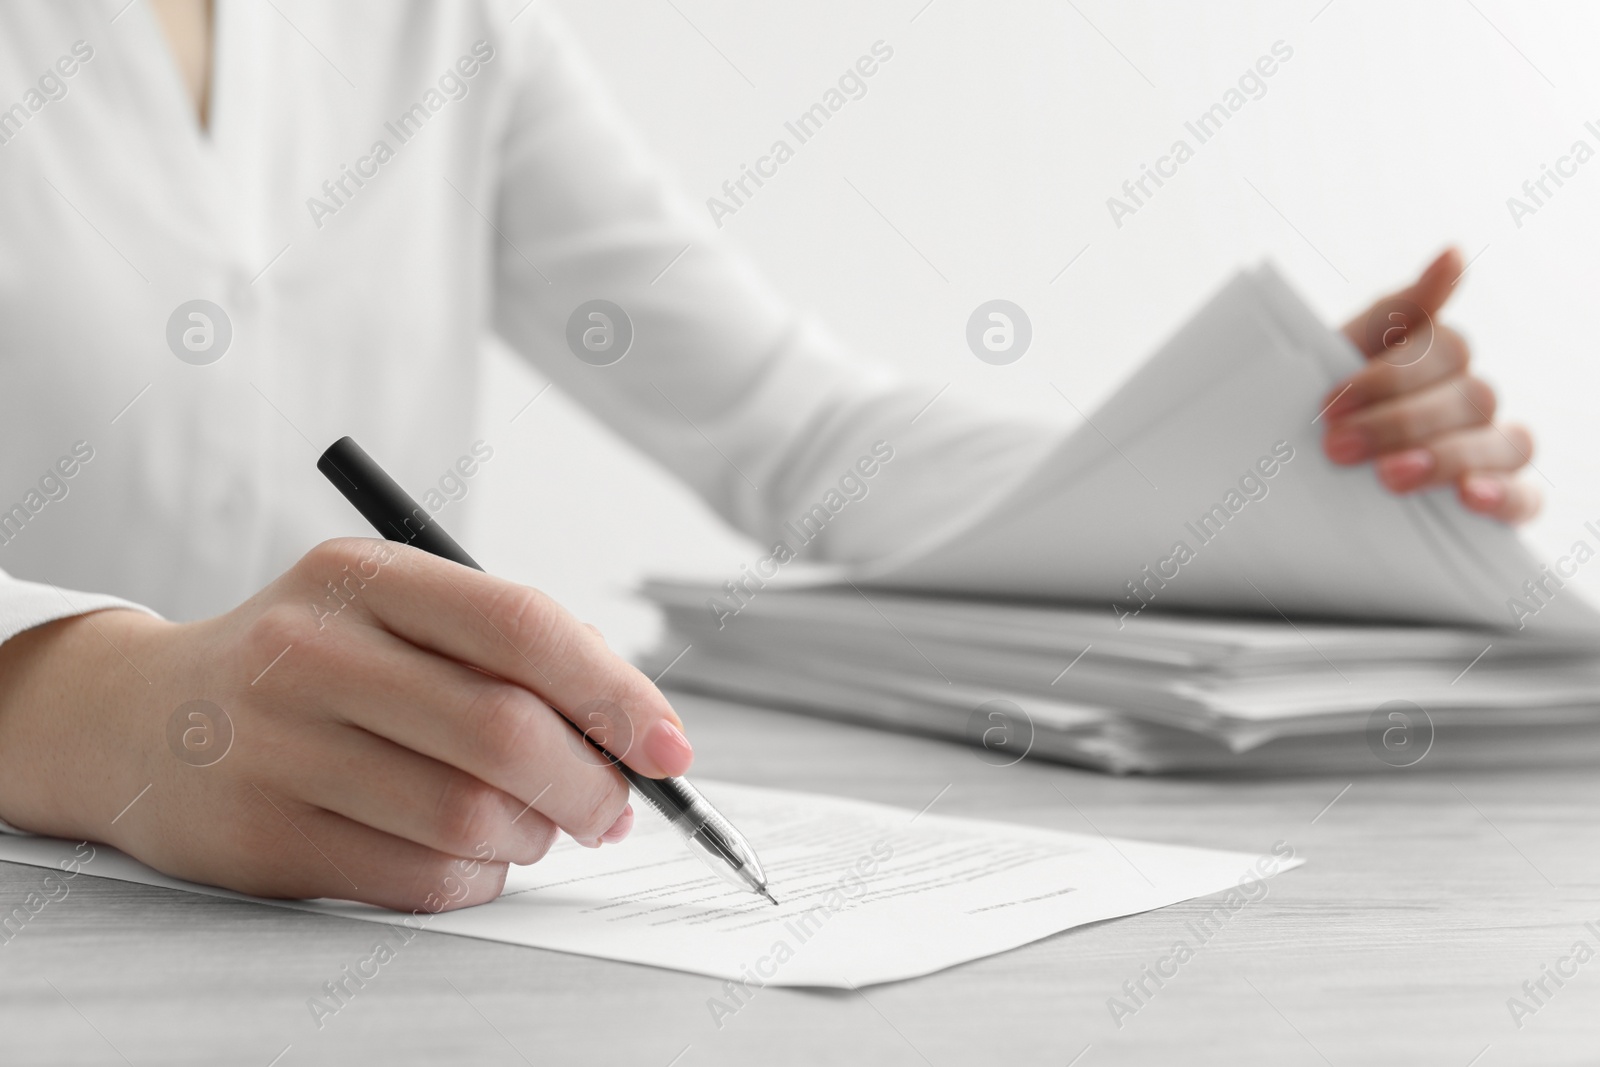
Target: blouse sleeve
{"x":693,"y":358}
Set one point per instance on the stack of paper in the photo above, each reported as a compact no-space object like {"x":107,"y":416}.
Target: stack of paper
{"x":1187,"y":583}
{"x":1170,"y":692}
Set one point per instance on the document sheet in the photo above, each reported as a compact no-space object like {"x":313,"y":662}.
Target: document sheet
{"x":868,"y":893}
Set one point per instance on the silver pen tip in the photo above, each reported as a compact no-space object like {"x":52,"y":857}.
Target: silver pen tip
{"x":767,"y":893}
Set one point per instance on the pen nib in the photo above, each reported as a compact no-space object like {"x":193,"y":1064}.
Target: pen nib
{"x":767,"y":893}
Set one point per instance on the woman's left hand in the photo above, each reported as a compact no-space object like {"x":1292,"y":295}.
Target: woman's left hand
{"x":1418,"y":412}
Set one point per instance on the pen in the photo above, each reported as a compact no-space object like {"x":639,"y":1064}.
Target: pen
{"x":397,"y":517}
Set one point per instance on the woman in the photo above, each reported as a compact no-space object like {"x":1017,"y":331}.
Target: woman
{"x":236,"y":235}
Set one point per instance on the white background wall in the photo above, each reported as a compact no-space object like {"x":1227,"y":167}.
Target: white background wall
{"x":991,"y":141}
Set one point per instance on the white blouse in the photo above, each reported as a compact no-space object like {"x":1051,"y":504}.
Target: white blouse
{"x":382,"y":185}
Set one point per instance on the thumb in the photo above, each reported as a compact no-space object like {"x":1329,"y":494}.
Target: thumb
{"x":1386,"y":324}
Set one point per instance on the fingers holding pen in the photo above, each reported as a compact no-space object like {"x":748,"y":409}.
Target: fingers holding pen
{"x":375,"y":782}
{"x":526,"y":638}
{"x":317,"y":853}
{"x":476,"y":749}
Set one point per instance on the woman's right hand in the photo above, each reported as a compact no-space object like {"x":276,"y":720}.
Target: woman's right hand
{"x":378,"y":725}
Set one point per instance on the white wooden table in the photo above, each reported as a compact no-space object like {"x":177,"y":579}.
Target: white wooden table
{"x":1427,"y":900}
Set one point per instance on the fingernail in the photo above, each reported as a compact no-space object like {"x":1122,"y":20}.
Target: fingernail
{"x":620,"y":828}
{"x":1341,"y":401}
{"x":669,"y":748}
{"x":1406,"y":470}
{"x":1483,"y":494}
{"x":588,"y":844}
{"x":1346,"y":444}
